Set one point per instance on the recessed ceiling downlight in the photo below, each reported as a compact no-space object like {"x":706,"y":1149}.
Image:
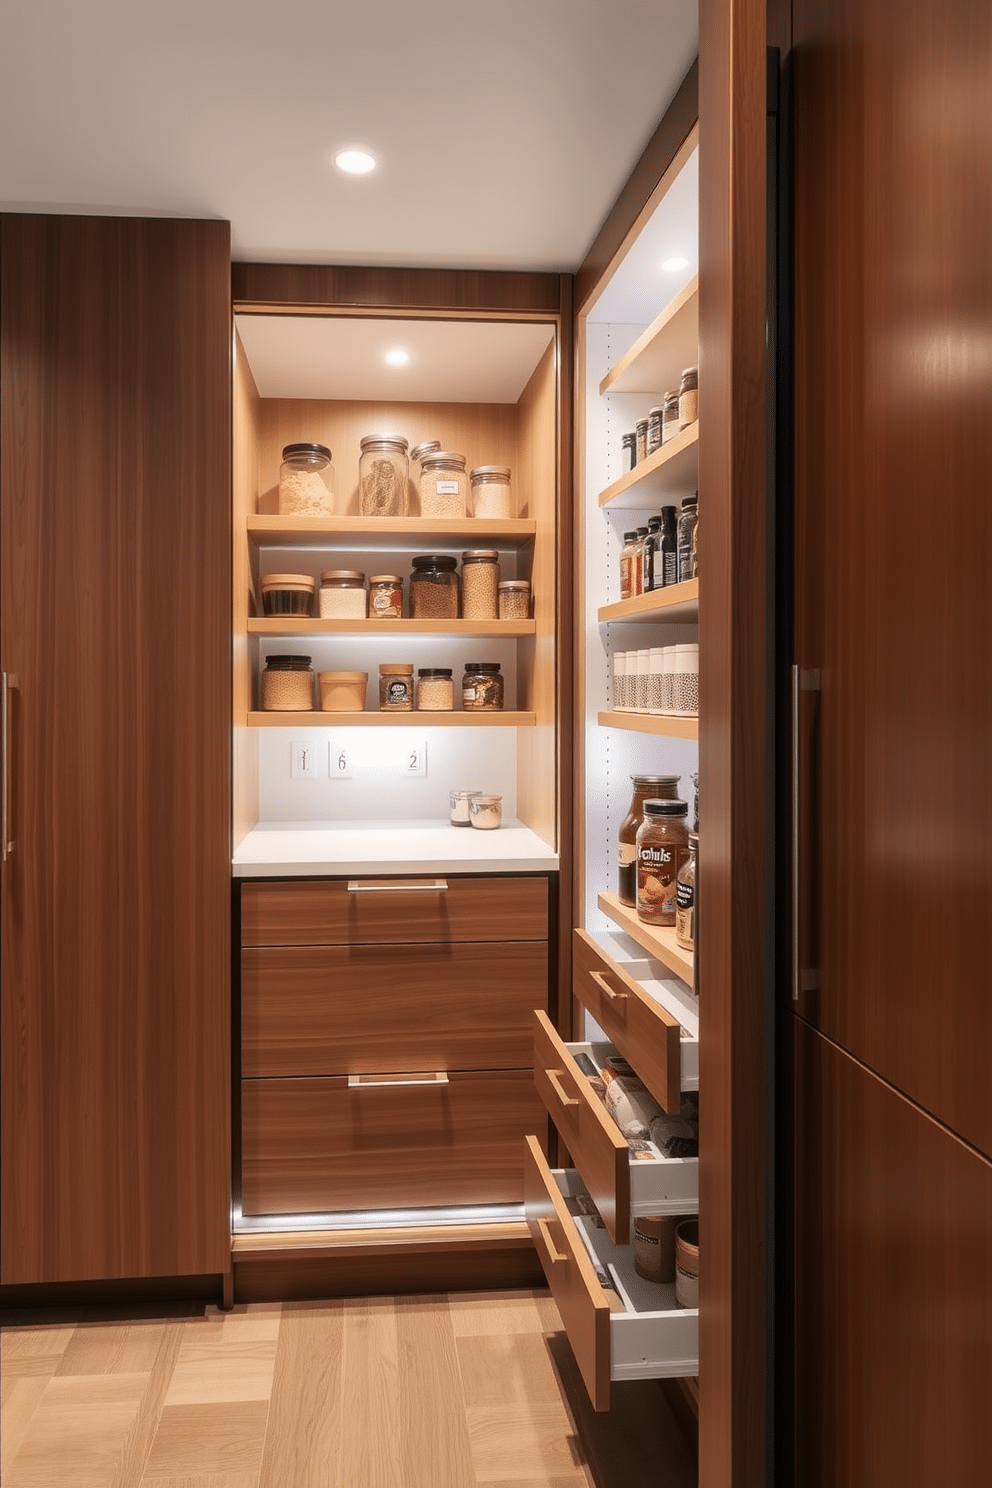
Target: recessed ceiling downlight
{"x":397,"y":357}
{"x":673,"y":265}
{"x":355,"y":162}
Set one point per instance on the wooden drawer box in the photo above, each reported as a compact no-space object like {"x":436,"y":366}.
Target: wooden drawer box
{"x":618,"y":1186}
{"x":385,"y":911}
{"x":645,"y":1335}
{"x":316,"y":1010}
{"x":316,"y":1146}
{"x":644,"y":1033}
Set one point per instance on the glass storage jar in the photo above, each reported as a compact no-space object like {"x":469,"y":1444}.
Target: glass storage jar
{"x":491,"y":495}
{"x":641,"y":432}
{"x":670,"y":416}
{"x":482,"y":687}
{"x":685,"y":898}
{"x":485,"y":812}
{"x":629,"y":446}
{"x":443,"y":484}
{"x":385,"y":597}
{"x":662,"y":844}
{"x":287,"y":685}
{"x":514,"y":599}
{"x":461,"y":801}
{"x":687,"y":539}
{"x":288,"y":594}
{"x":306,"y":481}
{"x":396,"y":686}
{"x":435,"y":690}
{"x":689,"y":397}
{"x":434,"y":587}
{"x":655,"y":421}
{"x":480,"y":584}
{"x":342,"y":595}
{"x":658,"y":787}
{"x":383,"y":476}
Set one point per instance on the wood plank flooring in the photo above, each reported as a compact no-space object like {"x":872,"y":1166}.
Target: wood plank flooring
{"x":448,"y":1391}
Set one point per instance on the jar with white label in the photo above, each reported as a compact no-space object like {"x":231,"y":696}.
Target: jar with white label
{"x":383,"y":476}
{"x":491,"y":495}
{"x":342,"y":595}
{"x":482,"y":687}
{"x":443,"y":484}
{"x":385,"y":597}
{"x":396,"y":686}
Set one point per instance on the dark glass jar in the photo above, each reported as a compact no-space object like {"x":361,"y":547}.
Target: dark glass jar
{"x":434,"y":587}
{"x":666,"y":568}
{"x":687,"y":539}
{"x":482,"y":687}
{"x":662,"y":787}
{"x":629,"y":452}
{"x":670,"y":416}
{"x":662,"y":847}
{"x":685,"y":898}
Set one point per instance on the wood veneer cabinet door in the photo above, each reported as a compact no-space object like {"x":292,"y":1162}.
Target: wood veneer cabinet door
{"x":115,"y":386}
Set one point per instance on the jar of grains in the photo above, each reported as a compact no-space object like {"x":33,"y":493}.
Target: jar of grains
{"x":435,"y":690}
{"x":287,"y":685}
{"x":670,"y":416}
{"x":491,"y":492}
{"x":434,"y":587}
{"x":396,"y":686}
{"x":486,"y":812}
{"x":443,"y":484}
{"x":689,"y":397}
{"x":662,"y":847}
{"x":514,"y":599}
{"x":306,"y":481}
{"x":385,"y":597}
{"x":383,"y":476}
{"x":641,"y":433}
{"x":288,"y":594}
{"x":342,"y":595}
{"x":482,"y":687}
{"x":480,"y":584}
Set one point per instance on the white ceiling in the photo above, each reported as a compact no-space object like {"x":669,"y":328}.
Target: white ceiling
{"x":505,"y":130}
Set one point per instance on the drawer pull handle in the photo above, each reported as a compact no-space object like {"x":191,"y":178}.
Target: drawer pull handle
{"x":432,"y":1078}
{"x":555,"y":1256}
{"x":559,"y":1089}
{"x":604,"y":985}
{"x":436,"y":886}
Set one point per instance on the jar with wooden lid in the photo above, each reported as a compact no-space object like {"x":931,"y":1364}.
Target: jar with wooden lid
{"x":443,"y":484}
{"x":491,"y":495}
{"x":435,"y":690}
{"x":306,"y":481}
{"x":480,"y":584}
{"x":342,"y":692}
{"x":661,"y":787}
{"x":482,"y":687}
{"x":383,"y":476}
{"x":662,"y":845}
{"x":434,"y":589}
{"x":288,"y":594}
{"x":342,"y":595}
{"x":689,"y":397}
{"x":385,"y":597}
{"x":396,"y":686}
{"x":685,"y":898}
{"x":287,"y":685}
{"x":513,"y":598}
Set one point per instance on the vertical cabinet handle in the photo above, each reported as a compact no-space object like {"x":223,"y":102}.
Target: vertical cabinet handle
{"x":805,"y":978}
{"x":6,"y":844}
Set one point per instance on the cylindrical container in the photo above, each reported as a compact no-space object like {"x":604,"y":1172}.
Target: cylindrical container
{"x":654,"y":1247}
{"x":629,"y":452}
{"x":628,"y":557}
{"x":287,"y":685}
{"x":513,"y":599}
{"x":687,"y":539}
{"x":342,"y":692}
{"x":650,"y":555}
{"x":288,"y":594}
{"x":654,"y":429}
{"x":485,"y":812}
{"x":306,"y":481}
{"x":383,"y":476}
{"x":640,"y":537}
{"x":685,"y":898}
{"x":668,"y":679}
{"x":435,"y":690}
{"x":620,"y":681}
{"x":642,"y":439}
{"x":461,"y":801}
{"x":491,"y":494}
{"x":443,"y":484}
{"x":643,"y":680}
{"x":482,"y":687}
{"x":434,"y":587}
{"x":342,"y":595}
{"x":670,"y":416}
{"x":689,"y":397}
{"x":662,"y":847}
{"x":659,"y":787}
{"x":480,"y":584}
{"x":426,"y":447}
{"x":385,"y":597}
{"x":666,"y":564}
{"x":654,"y":679}
{"x":687,"y":1263}
{"x":686,"y":696}
{"x":396,"y":686}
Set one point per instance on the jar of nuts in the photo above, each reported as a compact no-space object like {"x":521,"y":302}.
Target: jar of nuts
{"x":480,"y":584}
{"x":383,"y":476}
{"x":434,"y":587}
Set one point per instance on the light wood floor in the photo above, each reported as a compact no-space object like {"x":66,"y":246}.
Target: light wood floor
{"x":448,"y":1391}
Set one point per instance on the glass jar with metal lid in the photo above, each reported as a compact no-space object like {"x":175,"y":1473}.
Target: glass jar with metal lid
{"x":480,"y":584}
{"x":482,"y":687}
{"x":306,"y":481}
{"x":514,"y":599}
{"x":434,"y":587}
{"x":383,"y":476}
{"x":287,"y":684}
{"x":670,"y":416}
{"x":385,"y":597}
{"x":491,"y":496}
{"x":655,"y":420}
{"x":443,"y":484}
{"x":342,"y":595}
{"x":657,"y":787}
{"x":435,"y":690}
{"x":662,"y":847}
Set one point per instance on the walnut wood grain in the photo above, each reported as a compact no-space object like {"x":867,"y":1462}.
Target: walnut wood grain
{"x":313,"y":1146}
{"x":365,"y":1009}
{"x":116,"y":532}
{"x":326,"y":912}
{"x":291,"y":286}
{"x":645,"y":1034}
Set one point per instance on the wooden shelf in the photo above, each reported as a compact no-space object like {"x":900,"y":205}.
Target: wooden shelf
{"x":668,"y":725}
{"x":301,"y":625}
{"x":655,"y":361}
{"x":418,"y":719}
{"x":679,"y":603}
{"x":426,"y":533}
{"x":672,"y":471}
{"x":657,"y":940}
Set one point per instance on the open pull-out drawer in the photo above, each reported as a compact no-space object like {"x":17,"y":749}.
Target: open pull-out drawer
{"x":618,"y":1184}
{"x":632,"y":1330}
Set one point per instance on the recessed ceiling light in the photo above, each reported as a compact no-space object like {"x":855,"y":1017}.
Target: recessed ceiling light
{"x":355,"y":162}
{"x":397,"y":357}
{"x":672,"y":265}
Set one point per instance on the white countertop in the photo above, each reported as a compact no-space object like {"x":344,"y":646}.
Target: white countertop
{"x":305,"y":849}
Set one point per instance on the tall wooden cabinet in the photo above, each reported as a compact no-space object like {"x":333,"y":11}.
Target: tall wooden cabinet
{"x":115,"y":482}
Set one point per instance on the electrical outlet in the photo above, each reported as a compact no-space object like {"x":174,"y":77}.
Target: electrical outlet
{"x":340,"y":762}
{"x":303,"y":759}
{"x":415,"y":759}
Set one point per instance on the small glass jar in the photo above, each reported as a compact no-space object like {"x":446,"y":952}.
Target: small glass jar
{"x":666,"y":566}
{"x":485,"y":812}
{"x":655,"y":419}
{"x":689,"y":397}
{"x":641,"y":433}
{"x":435,"y":690}
{"x":628,"y":558}
{"x":396,"y":686}
{"x":629,"y":455}
{"x":383,"y":476}
{"x":306,"y":481}
{"x":687,"y":539}
{"x":640,"y":559}
{"x":658,"y":787}
{"x":461,"y":801}
{"x":662,"y":844}
{"x":342,"y":595}
{"x":514,"y":599}
{"x":287,"y":685}
{"x":482,"y":687}
{"x":434,"y":587}
{"x":288,"y":594}
{"x":491,"y":494}
{"x":670,"y":416}
{"x":685,"y":898}
{"x":385,"y":597}
{"x":443,"y":484}
{"x":480,"y":584}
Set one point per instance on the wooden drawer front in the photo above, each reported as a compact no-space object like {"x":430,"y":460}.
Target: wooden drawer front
{"x":393,"y":910}
{"x":644,"y":1335}
{"x":313,"y":1146}
{"x":330,"y":1010}
{"x":644,"y":1033}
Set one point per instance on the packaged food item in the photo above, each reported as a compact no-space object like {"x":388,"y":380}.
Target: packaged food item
{"x":660,"y":787}
{"x":396,"y":686}
{"x":662,"y":845}
{"x":461,"y":801}
{"x":385,"y":597}
{"x":654,"y":1247}
{"x":514,"y":599}
{"x":486,"y":812}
